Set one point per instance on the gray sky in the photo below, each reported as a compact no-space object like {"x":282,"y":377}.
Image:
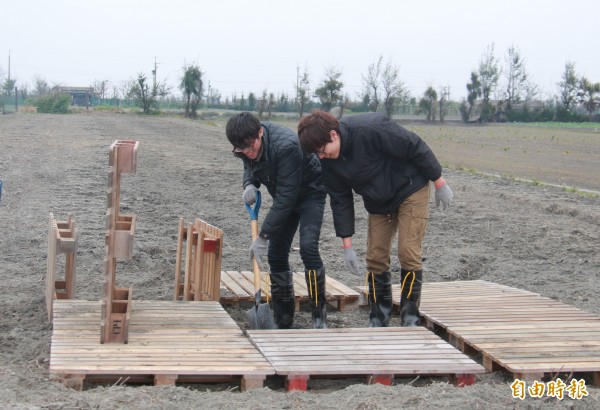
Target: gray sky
{"x":245,"y":46}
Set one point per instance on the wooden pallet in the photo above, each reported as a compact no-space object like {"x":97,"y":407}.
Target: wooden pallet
{"x":378,"y":354}
{"x":120,"y":231}
{"x":238,"y":287}
{"x":62,"y":239}
{"x":201,"y":276}
{"x":168,"y":342}
{"x":514,"y":330}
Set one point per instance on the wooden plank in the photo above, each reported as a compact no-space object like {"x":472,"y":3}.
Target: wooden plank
{"x":178,"y":258}
{"x":238,"y":293}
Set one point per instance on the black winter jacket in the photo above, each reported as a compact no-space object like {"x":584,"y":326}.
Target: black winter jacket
{"x":379,"y":160}
{"x":289,"y":175}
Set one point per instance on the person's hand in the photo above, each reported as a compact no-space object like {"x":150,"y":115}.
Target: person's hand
{"x":351,"y":261}
{"x":443,"y":196}
{"x":249,"y":195}
{"x":258,"y":250}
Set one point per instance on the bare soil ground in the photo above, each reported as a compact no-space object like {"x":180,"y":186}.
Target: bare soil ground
{"x":531,"y":236}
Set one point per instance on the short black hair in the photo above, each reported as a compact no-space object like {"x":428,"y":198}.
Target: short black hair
{"x":242,"y":129}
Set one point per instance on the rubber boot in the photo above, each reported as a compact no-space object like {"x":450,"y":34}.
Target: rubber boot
{"x":380,"y":299}
{"x":282,"y":299}
{"x":410,"y":297}
{"x":315,"y":283}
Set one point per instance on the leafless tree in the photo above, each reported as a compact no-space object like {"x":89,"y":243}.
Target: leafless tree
{"x":489,"y":74}
{"x":444,"y":95}
{"x":100,"y":88}
{"x":262,"y":103}
{"x":41,"y":87}
{"x":271,"y":104}
{"x":393,"y":89}
{"x":371,"y":84}
{"x":303,"y":91}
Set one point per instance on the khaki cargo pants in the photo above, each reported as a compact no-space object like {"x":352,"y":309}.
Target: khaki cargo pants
{"x":410,"y":221}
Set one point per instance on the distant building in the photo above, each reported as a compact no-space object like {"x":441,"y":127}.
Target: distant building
{"x":80,"y":96}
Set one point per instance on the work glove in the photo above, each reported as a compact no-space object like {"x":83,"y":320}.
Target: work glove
{"x":443,"y":196}
{"x":258,"y":250}
{"x":351,"y":261}
{"x":249,"y":195}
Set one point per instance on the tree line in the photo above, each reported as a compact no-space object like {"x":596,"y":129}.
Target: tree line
{"x":495,"y":92}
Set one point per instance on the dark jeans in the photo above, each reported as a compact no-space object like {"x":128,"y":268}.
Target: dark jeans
{"x":308,"y":214}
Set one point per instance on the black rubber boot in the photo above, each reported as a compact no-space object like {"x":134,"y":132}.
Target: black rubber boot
{"x":282,"y":298}
{"x":410,"y":297}
{"x":380,"y":298}
{"x":315,"y":283}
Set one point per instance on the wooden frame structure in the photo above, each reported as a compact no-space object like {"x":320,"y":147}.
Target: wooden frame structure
{"x":203,"y":256}
{"x":120,"y":230}
{"x":62,"y":239}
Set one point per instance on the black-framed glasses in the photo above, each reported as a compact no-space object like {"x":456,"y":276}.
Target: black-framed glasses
{"x":249,"y":148}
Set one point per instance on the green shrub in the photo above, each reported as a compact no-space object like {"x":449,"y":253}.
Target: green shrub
{"x":53,"y":103}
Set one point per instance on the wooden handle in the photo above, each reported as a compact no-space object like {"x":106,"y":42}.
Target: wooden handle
{"x":255,"y":268}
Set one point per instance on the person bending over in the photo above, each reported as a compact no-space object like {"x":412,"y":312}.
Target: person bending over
{"x":272,"y":157}
{"x":391,"y":168}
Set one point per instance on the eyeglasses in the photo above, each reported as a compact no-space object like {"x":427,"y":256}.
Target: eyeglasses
{"x":248,"y":149}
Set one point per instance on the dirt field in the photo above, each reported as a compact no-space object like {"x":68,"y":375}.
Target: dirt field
{"x":532,"y":236}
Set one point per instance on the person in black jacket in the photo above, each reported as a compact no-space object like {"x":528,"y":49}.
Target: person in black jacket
{"x":272,"y":157}
{"x":390,"y":167}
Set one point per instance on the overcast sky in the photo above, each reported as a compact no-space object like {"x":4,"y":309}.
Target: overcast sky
{"x":245,"y":46}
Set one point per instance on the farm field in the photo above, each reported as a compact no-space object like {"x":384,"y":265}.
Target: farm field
{"x":529,"y":235}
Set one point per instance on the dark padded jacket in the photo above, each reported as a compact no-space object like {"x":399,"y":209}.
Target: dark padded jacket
{"x":379,"y":160}
{"x":288,"y":174}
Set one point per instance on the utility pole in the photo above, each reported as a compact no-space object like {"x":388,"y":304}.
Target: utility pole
{"x":9,"y":65}
{"x":154,"y":75}
{"x":297,"y":82}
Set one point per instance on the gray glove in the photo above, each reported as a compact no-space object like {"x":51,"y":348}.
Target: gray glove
{"x":351,"y":261}
{"x":443,"y":195}
{"x":249,"y":195}
{"x":258,"y":250}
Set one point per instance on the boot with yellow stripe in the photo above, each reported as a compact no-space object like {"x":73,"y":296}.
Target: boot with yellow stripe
{"x":315,"y":283}
{"x":380,"y":298}
{"x":410,"y":297}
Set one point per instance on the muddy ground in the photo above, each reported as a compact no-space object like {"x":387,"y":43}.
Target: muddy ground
{"x":532,"y":236}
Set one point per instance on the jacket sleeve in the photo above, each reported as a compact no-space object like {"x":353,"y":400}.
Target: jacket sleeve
{"x":341,"y":200}
{"x":406,"y":145}
{"x":248,"y":178}
{"x":289,"y":179}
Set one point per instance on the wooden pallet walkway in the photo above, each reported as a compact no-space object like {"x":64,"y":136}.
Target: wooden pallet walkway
{"x":378,"y":354}
{"x":238,"y":287}
{"x":168,"y":342}
{"x":518,"y":331}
